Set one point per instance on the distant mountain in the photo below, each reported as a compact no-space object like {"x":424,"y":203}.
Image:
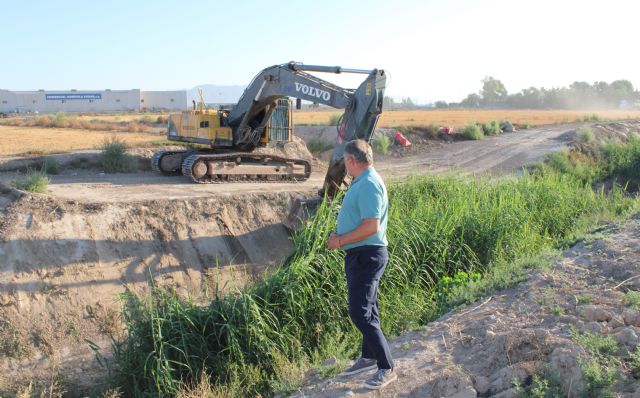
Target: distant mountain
{"x":214,"y":94}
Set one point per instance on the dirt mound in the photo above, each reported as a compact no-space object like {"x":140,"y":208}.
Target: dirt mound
{"x":616,"y":130}
{"x":545,"y":328}
{"x":64,"y":263}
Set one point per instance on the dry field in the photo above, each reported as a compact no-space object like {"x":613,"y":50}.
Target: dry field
{"x":460,"y":117}
{"x":42,"y":141}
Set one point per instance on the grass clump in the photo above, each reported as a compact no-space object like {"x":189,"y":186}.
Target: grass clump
{"x":34,"y":181}
{"x":593,"y":117}
{"x":316,"y":146}
{"x":114,"y":157}
{"x":472,"y":132}
{"x":50,"y":165}
{"x":585,"y":135}
{"x":491,"y":128}
{"x":381,"y":144}
{"x":456,"y":228}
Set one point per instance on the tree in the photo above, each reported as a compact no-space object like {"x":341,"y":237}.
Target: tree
{"x":407,"y":102}
{"x":493,"y":90}
{"x":441,"y":104}
{"x":388,"y":102}
{"x":472,"y":101}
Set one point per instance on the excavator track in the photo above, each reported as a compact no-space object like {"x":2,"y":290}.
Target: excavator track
{"x":168,"y":162}
{"x":244,"y":167}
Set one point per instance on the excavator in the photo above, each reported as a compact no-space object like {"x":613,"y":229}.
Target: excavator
{"x":233,"y":134}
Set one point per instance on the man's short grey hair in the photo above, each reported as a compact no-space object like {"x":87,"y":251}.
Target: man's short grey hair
{"x":360,"y":150}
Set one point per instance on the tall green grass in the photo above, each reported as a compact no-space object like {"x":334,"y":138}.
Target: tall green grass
{"x":599,"y":162}
{"x":438,"y":228}
{"x":381,"y":144}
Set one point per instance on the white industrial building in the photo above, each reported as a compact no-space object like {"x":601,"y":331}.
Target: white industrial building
{"x":42,"y":101}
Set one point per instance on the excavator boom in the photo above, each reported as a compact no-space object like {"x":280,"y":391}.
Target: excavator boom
{"x":362,"y":107}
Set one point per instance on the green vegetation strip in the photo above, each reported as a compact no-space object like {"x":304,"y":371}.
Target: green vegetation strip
{"x":443,"y":233}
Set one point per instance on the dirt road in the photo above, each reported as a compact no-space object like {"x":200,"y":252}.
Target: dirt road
{"x":503,"y":153}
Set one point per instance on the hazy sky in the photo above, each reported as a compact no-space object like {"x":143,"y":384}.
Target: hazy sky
{"x":431,"y":49}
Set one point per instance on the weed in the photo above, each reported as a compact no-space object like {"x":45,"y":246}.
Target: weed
{"x":599,"y":373}
{"x":585,"y":298}
{"x":381,"y":144}
{"x":491,"y":128}
{"x":114,"y":157}
{"x":34,"y":181}
{"x":557,"y":310}
{"x":595,"y":342}
{"x":586,"y":135}
{"x":634,"y":360}
{"x":599,"y":367}
{"x":632,"y":299}
{"x":543,"y":387}
{"x":593,"y":117}
{"x":472,"y":132}
{"x":50,"y":165}
{"x":12,"y":341}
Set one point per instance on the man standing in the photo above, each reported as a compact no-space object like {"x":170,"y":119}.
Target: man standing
{"x":362,"y":224}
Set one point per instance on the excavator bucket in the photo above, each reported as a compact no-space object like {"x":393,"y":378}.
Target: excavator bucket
{"x":301,"y":210}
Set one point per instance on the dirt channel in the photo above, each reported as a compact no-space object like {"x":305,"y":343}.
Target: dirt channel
{"x":65,"y":256}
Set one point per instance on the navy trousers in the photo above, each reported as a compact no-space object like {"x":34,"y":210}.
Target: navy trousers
{"x":363,"y":268}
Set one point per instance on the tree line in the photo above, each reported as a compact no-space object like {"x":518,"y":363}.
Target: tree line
{"x":579,"y":95}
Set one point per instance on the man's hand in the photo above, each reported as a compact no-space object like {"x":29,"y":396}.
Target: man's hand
{"x":333,"y":242}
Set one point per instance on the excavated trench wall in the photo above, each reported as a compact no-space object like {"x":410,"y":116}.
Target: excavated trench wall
{"x":63,"y":263}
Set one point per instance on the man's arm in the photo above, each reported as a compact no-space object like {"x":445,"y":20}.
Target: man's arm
{"x":367,"y":228}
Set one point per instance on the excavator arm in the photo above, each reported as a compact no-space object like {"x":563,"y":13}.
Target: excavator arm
{"x":362,"y":107}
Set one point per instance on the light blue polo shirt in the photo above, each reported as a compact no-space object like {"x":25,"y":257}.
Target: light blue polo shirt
{"x":366,"y":198}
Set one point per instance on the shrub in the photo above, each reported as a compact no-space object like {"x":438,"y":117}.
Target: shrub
{"x":114,"y":158}
{"x":35,"y":181}
{"x":134,"y":127}
{"x":623,"y":158}
{"x":472,"y":132}
{"x":146,"y":119}
{"x":50,"y":166}
{"x":430,"y":131}
{"x":317,"y":146}
{"x":381,"y":144}
{"x":585,"y":135}
{"x":491,"y":128}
